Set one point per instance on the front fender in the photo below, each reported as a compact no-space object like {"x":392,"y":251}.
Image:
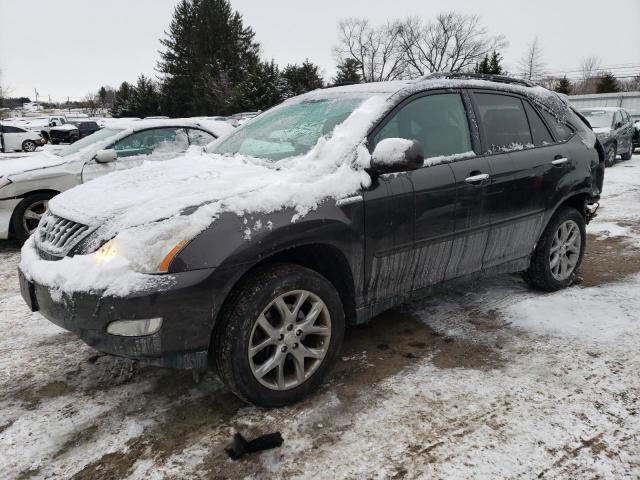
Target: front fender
{"x":243,"y":241}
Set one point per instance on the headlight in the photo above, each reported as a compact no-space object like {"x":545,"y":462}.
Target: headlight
{"x":113,"y":249}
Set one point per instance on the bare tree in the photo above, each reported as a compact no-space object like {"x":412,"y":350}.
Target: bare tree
{"x":453,"y":42}
{"x":376,"y":49}
{"x":590,"y":69}
{"x":91,"y":104}
{"x":531,"y":65}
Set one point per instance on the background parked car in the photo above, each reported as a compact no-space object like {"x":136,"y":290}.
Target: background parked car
{"x":636,"y":135}
{"x":14,"y":138}
{"x":27,"y":185}
{"x":614,"y":128}
{"x":67,"y":133}
{"x":86,"y":127}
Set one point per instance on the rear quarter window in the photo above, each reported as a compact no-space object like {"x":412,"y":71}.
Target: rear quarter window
{"x":561,"y":131}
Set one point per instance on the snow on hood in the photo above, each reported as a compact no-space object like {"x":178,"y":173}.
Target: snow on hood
{"x":602,"y":130}
{"x":15,"y":166}
{"x":65,"y":127}
{"x":141,"y":209}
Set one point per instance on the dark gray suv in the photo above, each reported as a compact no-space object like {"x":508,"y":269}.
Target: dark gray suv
{"x":614,"y":128}
{"x":318,"y":214}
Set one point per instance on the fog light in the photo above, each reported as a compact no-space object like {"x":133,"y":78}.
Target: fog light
{"x":135,"y":328}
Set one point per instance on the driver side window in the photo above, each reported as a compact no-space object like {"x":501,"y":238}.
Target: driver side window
{"x":438,"y":122}
{"x":157,"y":140}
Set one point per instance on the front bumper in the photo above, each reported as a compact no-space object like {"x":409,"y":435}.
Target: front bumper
{"x":7,"y":208}
{"x":186,"y":308}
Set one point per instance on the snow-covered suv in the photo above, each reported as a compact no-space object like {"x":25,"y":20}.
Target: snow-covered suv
{"x":27,"y":184}
{"x":321,"y":212}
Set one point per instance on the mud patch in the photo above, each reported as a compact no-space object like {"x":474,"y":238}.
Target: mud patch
{"x":608,"y":260}
{"x":77,"y":439}
{"x":395,"y":340}
{"x":32,"y":398}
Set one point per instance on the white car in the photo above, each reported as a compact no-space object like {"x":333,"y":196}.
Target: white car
{"x":27,"y":184}
{"x":14,"y":139}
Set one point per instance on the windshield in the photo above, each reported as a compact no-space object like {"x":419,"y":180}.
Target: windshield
{"x":88,"y":140}
{"x":289,"y":130}
{"x":599,"y":118}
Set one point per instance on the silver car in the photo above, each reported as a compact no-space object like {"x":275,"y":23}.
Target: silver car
{"x":27,"y":184}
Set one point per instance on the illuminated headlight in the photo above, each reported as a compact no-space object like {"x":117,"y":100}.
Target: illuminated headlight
{"x":135,"y":328}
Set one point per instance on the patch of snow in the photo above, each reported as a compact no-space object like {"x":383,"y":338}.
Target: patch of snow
{"x":391,"y":151}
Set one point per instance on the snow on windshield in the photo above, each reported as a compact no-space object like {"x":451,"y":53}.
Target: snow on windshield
{"x":141,"y":209}
{"x":599,"y":118}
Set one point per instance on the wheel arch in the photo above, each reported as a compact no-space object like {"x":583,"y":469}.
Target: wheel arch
{"x":22,"y":196}
{"x":324,"y":259}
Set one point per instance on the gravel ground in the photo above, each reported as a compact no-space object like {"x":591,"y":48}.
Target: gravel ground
{"x":487,"y":380}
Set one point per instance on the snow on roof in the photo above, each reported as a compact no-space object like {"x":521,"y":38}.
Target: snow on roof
{"x":599,"y":109}
{"x":218,"y":128}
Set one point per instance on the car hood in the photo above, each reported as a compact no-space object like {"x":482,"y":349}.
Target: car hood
{"x":17,"y":166}
{"x":201,"y":186}
{"x":602,"y":131}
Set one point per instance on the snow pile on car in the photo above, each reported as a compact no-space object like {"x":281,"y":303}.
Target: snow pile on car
{"x":143,"y":209}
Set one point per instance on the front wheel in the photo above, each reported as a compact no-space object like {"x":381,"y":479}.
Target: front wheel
{"x":29,"y":146}
{"x":28,"y":213}
{"x":558,"y":255}
{"x":611,"y":156}
{"x":279,"y":334}
{"x":628,"y":155}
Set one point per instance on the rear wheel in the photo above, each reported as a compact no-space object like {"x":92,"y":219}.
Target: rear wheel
{"x":28,"y":213}
{"x":279,"y":335}
{"x":29,"y":146}
{"x":558,"y":254}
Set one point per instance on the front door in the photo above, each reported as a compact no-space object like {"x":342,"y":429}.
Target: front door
{"x":156,"y":144}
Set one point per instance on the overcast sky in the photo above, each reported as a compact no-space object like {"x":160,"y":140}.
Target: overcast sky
{"x":71,"y":47}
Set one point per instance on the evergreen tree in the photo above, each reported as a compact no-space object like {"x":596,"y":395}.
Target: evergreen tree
{"x":301,"y":79}
{"x":607,"y":84}
{"x":102,"y":95}
{"x":208,"y":51}
{"x":120,"y":106}
{"x":490,"y":65}
{"x":348,"y":72}
{"x":262,"y":88}
{"x":564,"y":86}
{"x":145,"y":99}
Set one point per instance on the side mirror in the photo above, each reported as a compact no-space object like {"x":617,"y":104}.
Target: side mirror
{"x":106,"y":156}
{"x":397,"y":155}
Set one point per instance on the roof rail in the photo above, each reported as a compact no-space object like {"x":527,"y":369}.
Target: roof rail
{"x":478,"y":76}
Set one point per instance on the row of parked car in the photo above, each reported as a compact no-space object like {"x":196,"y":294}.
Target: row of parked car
{"x":616,"y":131}
{"x":29,"y":133}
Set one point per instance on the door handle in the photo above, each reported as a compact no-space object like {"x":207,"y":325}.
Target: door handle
{"x":477,"y":179}
{"x":560,"y":161}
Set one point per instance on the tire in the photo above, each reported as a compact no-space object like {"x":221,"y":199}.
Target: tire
{"x":610,"y":156}
{"x":240,"y":327}
{"x":541,"y":273}
{"x":29,"y":146}
{"x":24,"y":221}
{"x":628,"y":155}
{"x":55,"y":142}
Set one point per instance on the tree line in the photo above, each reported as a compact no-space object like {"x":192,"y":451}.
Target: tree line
{"x":211,"y":63}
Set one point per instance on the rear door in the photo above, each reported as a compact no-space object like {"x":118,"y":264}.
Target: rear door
{"x":520,"y":152}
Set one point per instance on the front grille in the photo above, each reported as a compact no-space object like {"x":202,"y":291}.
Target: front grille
{"x":56,"y":236}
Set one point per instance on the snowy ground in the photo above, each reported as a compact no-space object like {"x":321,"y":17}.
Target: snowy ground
{"x":48,"y":147}
{"x":489,"y":381}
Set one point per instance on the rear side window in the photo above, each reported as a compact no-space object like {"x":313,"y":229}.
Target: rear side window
{"x":438,"y":122}
{"x":504,"y":122}
{"x":539,"y":130}
{"x":199,"y":137}
{"x":561,"y":131}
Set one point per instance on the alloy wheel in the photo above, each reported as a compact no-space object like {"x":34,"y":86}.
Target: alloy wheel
{"x":565,"y":250}
{"x":32,"y":215}
{"x":289,"y":340}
